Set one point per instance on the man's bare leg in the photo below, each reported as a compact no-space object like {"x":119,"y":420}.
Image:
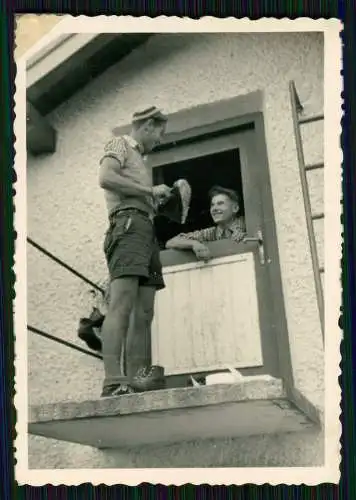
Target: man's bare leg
{"x":130,"y":333}
{"x":123,"y":294}
{"x":139,"y":336}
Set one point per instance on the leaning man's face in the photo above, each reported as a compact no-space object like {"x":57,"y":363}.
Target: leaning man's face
{"x":222,"y":209}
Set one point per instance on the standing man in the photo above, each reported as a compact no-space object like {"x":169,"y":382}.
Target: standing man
{"x":224,"y":210}
{"x":131,"y":249}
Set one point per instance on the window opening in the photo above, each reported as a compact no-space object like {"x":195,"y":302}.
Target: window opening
{"x":202,"y":173}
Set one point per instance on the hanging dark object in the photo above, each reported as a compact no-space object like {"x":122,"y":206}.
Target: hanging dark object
{"x":176,"y":206}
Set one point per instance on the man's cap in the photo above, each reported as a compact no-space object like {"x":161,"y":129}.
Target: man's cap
{"x":146,"y":114}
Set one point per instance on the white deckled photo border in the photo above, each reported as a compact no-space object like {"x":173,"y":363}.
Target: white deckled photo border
{"x":332,"y":196}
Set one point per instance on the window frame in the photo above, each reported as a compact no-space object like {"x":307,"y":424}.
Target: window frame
{"x":216,"y":117}
{"x":204,"y":146}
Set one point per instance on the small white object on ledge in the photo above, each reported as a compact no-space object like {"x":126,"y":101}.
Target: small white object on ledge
{"x":231,"y":377}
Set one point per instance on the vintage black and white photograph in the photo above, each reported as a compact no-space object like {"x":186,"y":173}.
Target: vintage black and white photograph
{"x":176,"y":307}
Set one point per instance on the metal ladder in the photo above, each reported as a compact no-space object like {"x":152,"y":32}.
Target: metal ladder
{"x":299,"y":121}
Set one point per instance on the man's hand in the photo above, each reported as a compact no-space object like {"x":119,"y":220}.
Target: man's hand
{"x":201,"y":251}
{"x":161,"y":192}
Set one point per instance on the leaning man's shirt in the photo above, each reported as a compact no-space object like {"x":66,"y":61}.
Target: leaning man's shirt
{"x":131,"y":164}
{"x":235,"y":232}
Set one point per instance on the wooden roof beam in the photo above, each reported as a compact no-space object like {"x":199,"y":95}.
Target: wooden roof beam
{"x":40,"y":135}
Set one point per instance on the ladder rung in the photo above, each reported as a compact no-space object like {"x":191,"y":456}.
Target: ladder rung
{"x":315,"y":166}
{"x":310,"y":119}
{"x":317,"y":216}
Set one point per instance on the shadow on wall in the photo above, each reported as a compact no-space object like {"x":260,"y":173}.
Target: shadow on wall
{"x":142,"y":58}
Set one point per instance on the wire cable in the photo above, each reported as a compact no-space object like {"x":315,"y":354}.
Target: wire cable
{"x":63,"y":264}
{"x":63,"y":342}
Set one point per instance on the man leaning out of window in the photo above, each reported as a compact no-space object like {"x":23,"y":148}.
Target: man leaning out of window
{"x":224,"y":210}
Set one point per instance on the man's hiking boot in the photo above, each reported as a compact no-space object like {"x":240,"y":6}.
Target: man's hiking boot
{"x":86,"y":330}
{"x":115,"y":390}
{"x":149,"y":379}
{"x":87,"y":334}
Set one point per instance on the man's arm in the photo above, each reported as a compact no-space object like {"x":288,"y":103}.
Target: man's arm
{"x":181,"y":243}
{"x":110,"y":178}
{"x":111,"y":165}
{"x":194,"y":241}
{"x":188,"y":240}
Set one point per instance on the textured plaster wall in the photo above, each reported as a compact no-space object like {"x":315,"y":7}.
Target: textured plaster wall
{"x":66,"y":214}
{"x":289,"y":450}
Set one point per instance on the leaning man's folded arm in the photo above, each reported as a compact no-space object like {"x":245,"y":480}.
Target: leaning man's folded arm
{"x":188,"y":240}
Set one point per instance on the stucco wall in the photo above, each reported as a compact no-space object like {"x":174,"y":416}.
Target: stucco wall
{"x":66,"y":214}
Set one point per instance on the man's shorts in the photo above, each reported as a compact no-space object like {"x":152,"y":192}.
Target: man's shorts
{"x":131,"y":248}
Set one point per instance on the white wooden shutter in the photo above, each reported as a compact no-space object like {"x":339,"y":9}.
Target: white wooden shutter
{"x":207,"y":316}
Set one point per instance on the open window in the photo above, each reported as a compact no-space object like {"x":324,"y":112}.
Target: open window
{"x":221,"y":312}
{"x":202,"y":173}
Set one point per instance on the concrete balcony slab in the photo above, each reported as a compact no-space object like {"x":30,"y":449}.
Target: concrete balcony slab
{"x":249,"y":407}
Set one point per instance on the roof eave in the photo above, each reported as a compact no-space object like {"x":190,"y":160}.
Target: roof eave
{"x":66,"y":64}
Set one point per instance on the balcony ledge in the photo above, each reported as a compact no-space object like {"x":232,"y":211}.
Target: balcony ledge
{"x":256,"y":405}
